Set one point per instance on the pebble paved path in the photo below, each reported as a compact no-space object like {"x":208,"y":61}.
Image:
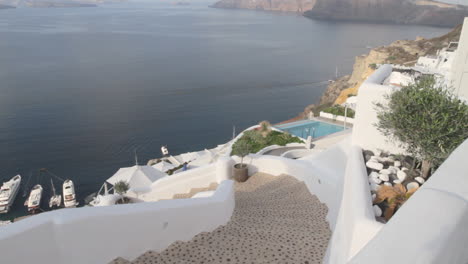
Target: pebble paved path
{"x":276,"y":220}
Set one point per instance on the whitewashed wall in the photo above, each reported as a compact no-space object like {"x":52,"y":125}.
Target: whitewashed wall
{"x":460,"y":66}
{"x":97,"y":235}
{"x":273,"y":147}
{"x":356,"y":223}
{"x":431,"y":228}
{"x":182,"y":182}
{"x":365,"y":134}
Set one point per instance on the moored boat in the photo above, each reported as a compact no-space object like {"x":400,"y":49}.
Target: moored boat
{"x":55,"y":199}
{"x":69,"y":197}
{"x":34,"y":200}
{"x":8,"y":193}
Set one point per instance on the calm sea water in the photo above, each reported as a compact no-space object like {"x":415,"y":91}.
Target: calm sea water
{"x":82,"y":88}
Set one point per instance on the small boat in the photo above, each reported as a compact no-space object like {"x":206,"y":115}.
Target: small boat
{"x":56,"y":199}
{"x":8,"y":193}
{"x":164,"y":151}
{"x":34,"y":200}
{"x":69,"y":197}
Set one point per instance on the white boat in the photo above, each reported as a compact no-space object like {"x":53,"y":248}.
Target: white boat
{"x":164,"y":151}
{"x":55,"y":199}
{"x":34,"y":200}
{"x":69,"y":197}
{"x":8,"y":193}
{"x":4,"y":223}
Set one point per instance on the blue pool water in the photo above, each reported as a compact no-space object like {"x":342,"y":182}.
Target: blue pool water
{"x":316,"y":129}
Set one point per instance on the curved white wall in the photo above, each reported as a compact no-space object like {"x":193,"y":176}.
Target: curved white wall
{"x":97,"y":235}
{"x":201,"y":177}
{"x":356,"y":223}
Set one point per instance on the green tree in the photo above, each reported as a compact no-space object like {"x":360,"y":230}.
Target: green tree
{"x":241,"y":148}
{"x":121,"y":187}
{"x":426,"y":119}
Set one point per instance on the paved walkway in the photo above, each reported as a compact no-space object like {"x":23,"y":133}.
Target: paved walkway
{"x":276,"y":220}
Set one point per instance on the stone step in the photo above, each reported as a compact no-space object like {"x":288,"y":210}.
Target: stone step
{"x":233,"y":249}
{"x":296,"y":191}
{"x":194,"y":191}
{"x":152,"y":257}
{"x":275,"y":220}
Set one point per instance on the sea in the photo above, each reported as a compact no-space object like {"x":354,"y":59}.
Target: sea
{"x":84,"y":89}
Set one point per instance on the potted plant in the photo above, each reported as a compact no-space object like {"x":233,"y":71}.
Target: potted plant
{"x":241,"y":148}
{"x":121,"y":187}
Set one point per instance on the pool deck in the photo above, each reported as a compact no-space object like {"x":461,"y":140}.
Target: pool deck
{"x":330,"y":140}
{"x":334,"y":122}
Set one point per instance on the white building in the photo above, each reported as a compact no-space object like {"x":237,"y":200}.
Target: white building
{"x":460,"y":66}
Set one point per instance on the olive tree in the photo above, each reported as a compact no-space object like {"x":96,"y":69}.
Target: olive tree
{"x":241,"y":148}
{"x":426,"y":119}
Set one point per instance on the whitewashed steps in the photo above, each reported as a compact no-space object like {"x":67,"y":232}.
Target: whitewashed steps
{"x":276,"y":220}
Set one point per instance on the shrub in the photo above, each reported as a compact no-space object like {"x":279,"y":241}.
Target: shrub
{"x":265,"y":128}
{"x":339,"y":111}
{"x":395,"y":196}
{"x":425,"y":119}
{"x":373,"y":66}
{"x":257,"y":142}
{"x":121,"y":187}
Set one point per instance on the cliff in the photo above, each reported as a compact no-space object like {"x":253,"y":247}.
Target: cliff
{"x":299,"y":6}
{"x":422,"y":12}
{"x":403,"y":52}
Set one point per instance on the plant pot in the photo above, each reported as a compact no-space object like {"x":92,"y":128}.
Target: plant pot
{"x":241,"y":172}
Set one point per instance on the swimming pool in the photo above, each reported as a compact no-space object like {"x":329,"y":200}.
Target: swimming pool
{"x":306,"y":128}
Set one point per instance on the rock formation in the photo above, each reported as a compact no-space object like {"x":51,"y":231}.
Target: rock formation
{"x":403,"y":52}
{"x":299,"y":6}
{"x":390,"y":11}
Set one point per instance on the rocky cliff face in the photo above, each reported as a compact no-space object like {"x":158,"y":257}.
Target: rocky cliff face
{"x":402,"y":52}
{"x":299,"y":6}
{"x":389,"y":11}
